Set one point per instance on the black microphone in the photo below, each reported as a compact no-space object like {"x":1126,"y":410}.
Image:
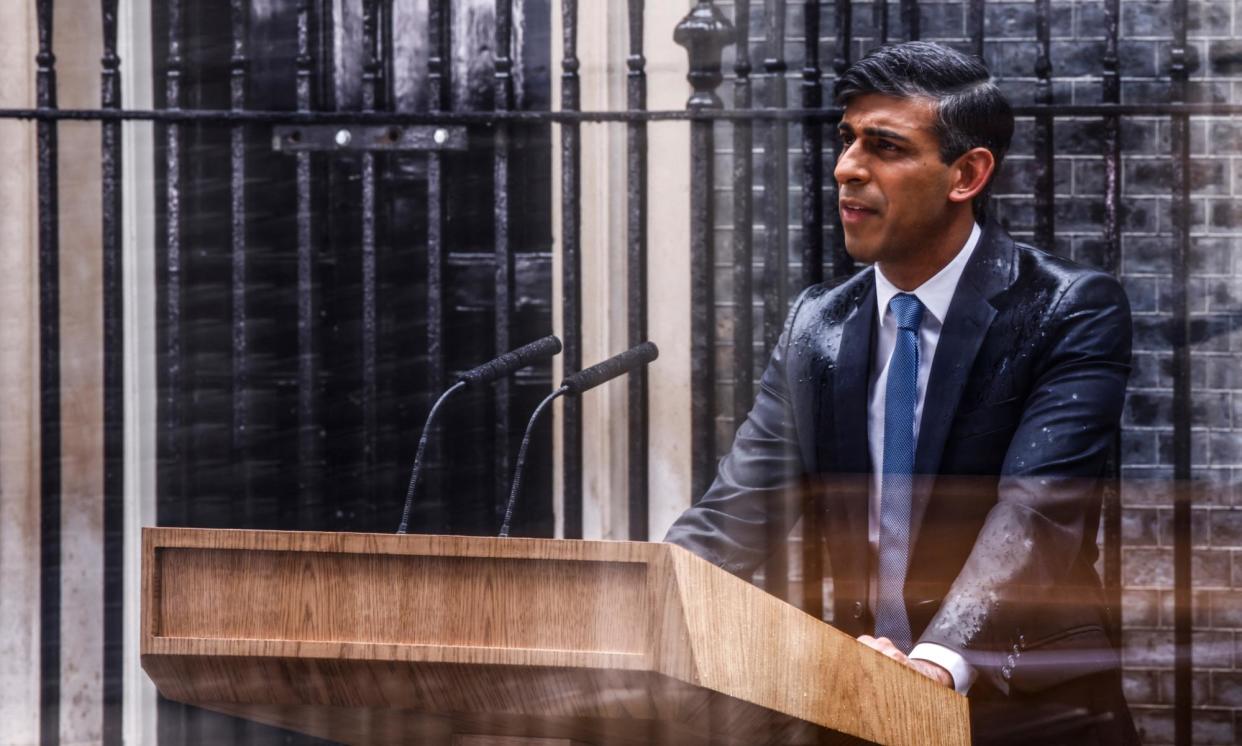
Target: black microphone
{"x":584,"y":380}
{"x":486,"y":373}
{"x":512,"y":361}
{"x":632,"y":359}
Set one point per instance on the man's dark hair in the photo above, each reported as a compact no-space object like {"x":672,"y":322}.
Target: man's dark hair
{"x":971,"y":111}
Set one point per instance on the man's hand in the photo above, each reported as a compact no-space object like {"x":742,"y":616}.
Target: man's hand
{"x":927,"y":668}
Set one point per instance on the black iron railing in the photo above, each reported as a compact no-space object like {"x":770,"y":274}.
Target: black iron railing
{"x":571,"y":264}
{"x":636,"y":274}
{"x":49,"y":383}
{"x":113,"y":388}
{"x":705,"y":32}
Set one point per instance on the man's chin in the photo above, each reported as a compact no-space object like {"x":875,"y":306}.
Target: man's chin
{"x":865,"y":252}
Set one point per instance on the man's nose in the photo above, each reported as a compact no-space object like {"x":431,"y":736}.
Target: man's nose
{"x":850,"y":166}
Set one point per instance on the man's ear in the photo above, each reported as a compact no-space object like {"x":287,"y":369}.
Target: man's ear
{"x":970,"y":173}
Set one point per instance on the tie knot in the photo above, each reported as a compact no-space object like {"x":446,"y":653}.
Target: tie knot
{"x":907,"y":310}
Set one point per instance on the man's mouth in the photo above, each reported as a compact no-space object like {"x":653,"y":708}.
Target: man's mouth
{"x":852,"y":211}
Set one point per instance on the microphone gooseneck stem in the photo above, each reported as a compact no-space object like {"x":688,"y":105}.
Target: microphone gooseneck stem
{"x":521,"y":458}
{"x":418,"y":457}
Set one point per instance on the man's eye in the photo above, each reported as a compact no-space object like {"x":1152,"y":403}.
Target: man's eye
{"x":847,"y":140}
{"x":886,"y":145}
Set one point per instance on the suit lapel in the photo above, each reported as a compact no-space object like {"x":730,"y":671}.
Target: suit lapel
{"x":989,"y":271}
{"x":849,"y":405}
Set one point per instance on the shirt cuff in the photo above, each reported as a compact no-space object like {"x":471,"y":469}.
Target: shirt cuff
{"x":962,"y":672}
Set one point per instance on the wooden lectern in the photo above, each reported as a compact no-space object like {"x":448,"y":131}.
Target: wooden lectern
{"x":465,"y":641}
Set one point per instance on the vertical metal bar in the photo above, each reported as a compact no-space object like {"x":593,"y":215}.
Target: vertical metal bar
{"x":775,"y":188}
{"x":237,"y":233}
{"x":173,"y":457}
{"x":910,"y":19}
{"x":636,"y":271}
{"x":703,"y":32}
{"x":1111,"y":94}
{"x":49,"y":386}
{"x":113,"y":388}
{"x":1045,"y":235}
{"x":438,"y":24}
{"x":310,"y":432}
{"x":503,"y":82}
{"x":437,"y":76}
{"x":387,"y":56}
{"x":571,"y":269}
{"x":1182,"y":618}
{"x":812,"y":273}
{"x":370,"y":321}
{"x":775,"y":254}
{"x":812,"y":153}
{"x":1111,"y":90}
{"x":702,"y":300}
{"x":173,"y":505}
{"x":977,"y":9}
{"x":842,"y":262}
{"x":879,"y":18}
{"x":743,"y":224}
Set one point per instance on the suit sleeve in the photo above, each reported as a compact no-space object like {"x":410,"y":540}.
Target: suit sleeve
{"x":756,"y":482}
{"x":1048,"y":493}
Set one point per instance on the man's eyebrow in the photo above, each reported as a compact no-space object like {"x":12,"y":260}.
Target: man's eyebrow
{"x":873,"y":132}
{"x":881,"y":132}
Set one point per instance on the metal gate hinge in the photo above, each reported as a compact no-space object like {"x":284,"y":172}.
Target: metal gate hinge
{"x":357,"y":138}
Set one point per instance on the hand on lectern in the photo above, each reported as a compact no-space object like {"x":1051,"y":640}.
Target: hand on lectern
{"x":927,"y":668}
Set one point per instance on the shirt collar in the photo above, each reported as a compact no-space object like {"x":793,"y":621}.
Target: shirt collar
{"x":937,"y":292}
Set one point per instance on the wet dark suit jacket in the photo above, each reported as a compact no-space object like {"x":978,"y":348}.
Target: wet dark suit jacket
{"x":1021,"y":410}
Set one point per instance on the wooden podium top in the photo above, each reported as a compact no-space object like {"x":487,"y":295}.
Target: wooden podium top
{"x":379,"y":638}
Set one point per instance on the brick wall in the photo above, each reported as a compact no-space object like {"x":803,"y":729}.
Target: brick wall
{"x":1078,"y":30}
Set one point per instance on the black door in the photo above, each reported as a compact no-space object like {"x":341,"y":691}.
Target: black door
{"x":304,"y":328}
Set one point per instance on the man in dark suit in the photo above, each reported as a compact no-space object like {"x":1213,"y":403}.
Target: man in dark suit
{"x":950,"y":408}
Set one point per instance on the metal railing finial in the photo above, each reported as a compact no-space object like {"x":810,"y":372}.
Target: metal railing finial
{"x":704,"y":32}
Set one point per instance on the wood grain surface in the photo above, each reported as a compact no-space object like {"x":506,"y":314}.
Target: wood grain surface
{"x":387,"y":639}
{"x":512,"y":741}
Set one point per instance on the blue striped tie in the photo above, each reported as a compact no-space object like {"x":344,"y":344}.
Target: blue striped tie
{"x":900,"y":398}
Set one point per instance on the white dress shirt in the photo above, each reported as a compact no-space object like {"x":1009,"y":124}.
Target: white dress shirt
{"x":935,"y":295}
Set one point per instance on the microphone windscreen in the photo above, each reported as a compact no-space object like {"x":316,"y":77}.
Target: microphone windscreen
{"x":635,"y":357}
{"x":512,"y":361}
